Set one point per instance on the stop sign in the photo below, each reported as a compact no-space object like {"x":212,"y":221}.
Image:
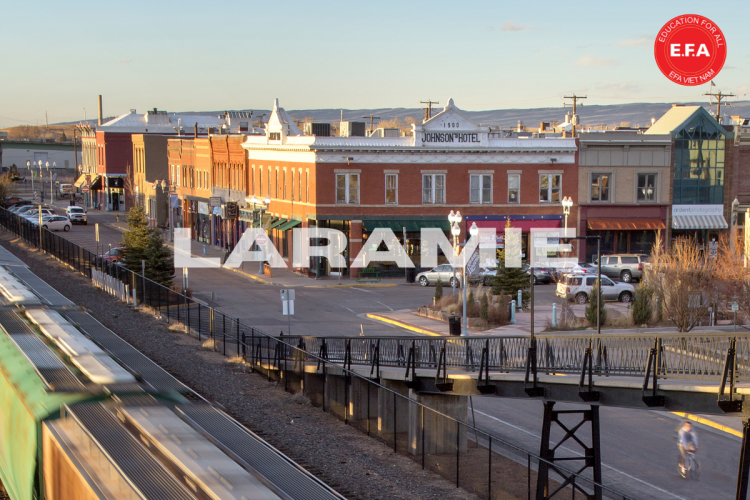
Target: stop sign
{"x":261,"y":239}
{"x":84,"y":189}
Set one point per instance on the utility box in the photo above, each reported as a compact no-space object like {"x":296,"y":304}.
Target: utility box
{"x":352,"y":129}
{"x":317,"y":129}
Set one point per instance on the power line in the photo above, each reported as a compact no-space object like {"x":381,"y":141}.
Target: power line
{"x":371,"y":118}
{"x":428,"y":109}
{"x":575,"y":99}
{"x":719,"y":96}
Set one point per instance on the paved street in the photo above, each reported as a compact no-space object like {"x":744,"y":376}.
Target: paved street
{"x":639,"y":453}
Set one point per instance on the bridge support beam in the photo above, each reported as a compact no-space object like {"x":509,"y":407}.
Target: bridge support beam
{"x":744,"y":471}
{"x":393,"y":412}
{"x":439,"y":435}
{"x":591,"y":454}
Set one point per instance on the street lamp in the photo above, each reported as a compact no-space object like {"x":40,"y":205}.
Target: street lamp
{"x":166,"y":186}
{"x":735,"y":224}
{"x":473,"y":231}
{"x":567,"y":203}
{"x":454,"y":219}
{"x":51,"y":188}
{"x":263,"y":207}
{"x":28,"y":165}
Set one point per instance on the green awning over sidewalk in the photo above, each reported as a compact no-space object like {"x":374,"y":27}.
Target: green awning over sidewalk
{"x":289,"y":225}
{"x":278,"y":223}
{"x":412,"y":226}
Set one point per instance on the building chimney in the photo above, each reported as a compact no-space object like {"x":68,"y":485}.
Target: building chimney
{"x":195,"y":130}
{"x":100,"y":109}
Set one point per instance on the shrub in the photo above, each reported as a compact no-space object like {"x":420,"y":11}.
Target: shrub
{"x":484,"y":307}
{"x":595,"y":303}
{"x":642,"y":307}
{"x":438,"y":290}
{"x":498,"y":313}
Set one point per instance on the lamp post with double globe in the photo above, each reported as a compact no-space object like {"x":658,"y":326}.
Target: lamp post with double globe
{"x":454,"y":219}
{"x":263,"y":207}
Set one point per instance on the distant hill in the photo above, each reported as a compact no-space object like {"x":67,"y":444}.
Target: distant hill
{"x":637,"y":114}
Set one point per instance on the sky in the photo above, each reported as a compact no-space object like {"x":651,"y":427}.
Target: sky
{"x":191,"y":56}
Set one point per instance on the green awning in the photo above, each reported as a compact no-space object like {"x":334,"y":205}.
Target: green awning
{"x":256,"y":223}
{"x":412,"y":226}
{"x":289,"y":225}
{"x":278,"y":223}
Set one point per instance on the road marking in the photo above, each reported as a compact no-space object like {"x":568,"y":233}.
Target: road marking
{"x":347,"y":309}
{"x":390,"y":321}
{"x":577,"y":453}
{"x":709,"y":423}
{"x":361,"y":290}
{"x":389,"y":307}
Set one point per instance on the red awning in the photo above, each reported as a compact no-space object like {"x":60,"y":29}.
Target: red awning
{"x":523,"y":224}
{"x":625,"y":224}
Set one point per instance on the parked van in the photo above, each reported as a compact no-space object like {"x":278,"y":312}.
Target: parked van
{"x":66,"y":189}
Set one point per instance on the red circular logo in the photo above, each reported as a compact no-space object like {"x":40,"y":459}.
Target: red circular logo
{"x":690,"y":50}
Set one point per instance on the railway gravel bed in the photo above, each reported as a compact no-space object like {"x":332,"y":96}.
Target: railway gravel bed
{"x":357,"y":466}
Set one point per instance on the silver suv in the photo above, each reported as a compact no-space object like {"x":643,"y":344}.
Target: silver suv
{"x":623,"y":267}
{"x":578,"y":287}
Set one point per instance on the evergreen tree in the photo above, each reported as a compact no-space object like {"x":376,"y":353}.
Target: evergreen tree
{"x":509,"y":280}
{"x":159,"y":260}
{"x":141,"y":242}
{"x":484,"y":309}
{"x":135,"y":239}
{"x":642,"y":307}
{"x":438,"y":290}
{"x":594,"y":302}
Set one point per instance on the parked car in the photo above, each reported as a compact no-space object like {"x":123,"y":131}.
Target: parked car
{"x":24,"y":208}
{"x":54,"y":222}
{"x":77,"y":215}
{"x":625,"y":267}
{"x":542,"y":275}
{"x":577,"y":287}
{"x":443,"y":272}
{"x":34,"y":213}
{"x":112,"y":255}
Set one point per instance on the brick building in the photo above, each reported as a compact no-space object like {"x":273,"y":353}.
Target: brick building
{"x":357,"y":184}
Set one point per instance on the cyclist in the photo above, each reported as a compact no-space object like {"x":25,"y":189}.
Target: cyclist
{"x":687,"y":441}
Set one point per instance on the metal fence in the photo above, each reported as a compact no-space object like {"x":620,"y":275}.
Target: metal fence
{"x":474,"y":459}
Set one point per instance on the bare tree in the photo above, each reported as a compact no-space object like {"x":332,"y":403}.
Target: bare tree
{"x":683,"y":281}
{"x":7,"y":188}
{"x":732,"y":275}
{"x":129,"y":185}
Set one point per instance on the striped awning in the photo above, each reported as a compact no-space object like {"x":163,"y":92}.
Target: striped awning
{"x":699,"y":222}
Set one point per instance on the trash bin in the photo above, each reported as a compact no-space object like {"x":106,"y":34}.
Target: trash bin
{"x":454,"y":324}
{"x":411,"y":274}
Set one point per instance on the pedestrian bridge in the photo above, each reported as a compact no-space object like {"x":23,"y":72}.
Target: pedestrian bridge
{"x":703,"y":373}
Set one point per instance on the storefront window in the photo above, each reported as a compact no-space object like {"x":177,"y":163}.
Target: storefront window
{"x":480,"y":190}
{"x":514,"y":182}
{"x":433,"y":189}
{"x":699,"y":164}
{"x":549,"y":188}
{"x":600,"y":187}
{"x":646,"y":187}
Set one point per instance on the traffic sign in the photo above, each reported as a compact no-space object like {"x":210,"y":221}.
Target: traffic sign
{"x":735,"y":306}
{"x":261,"y":239}
{"x":84,"y":189}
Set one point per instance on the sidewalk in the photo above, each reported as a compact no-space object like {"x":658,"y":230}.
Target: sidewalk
{"x":410,"y":320}
{"x":281,"y":277}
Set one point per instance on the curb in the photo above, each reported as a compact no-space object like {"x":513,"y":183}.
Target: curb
{"x":709,"y":423}
{"x":405,"y":326}
{"x":358,"y":285}
{"x":251,"y":276}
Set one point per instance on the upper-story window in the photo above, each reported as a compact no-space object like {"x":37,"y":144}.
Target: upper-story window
{"x":549,"y":188}
{"x":274,"y":136}
{"x":480,"y":188}
{"x":699,"y":156}
{"x":347,"y":188}
{"x":391,"y":189}
{"x":514,"y":188}
{"x":646,"y":189}
{"x":600,"y":185}
{"x":433,"y":189}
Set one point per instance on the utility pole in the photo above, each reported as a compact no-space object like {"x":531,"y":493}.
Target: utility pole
{"x":719,"y":96}
{"x":428,"y":109}
{"x":46,"y":121}
{"x":371,"y":118}
{"x":575,"y":99}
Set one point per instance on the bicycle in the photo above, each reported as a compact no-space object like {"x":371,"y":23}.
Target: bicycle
{"x":692,"y":470}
